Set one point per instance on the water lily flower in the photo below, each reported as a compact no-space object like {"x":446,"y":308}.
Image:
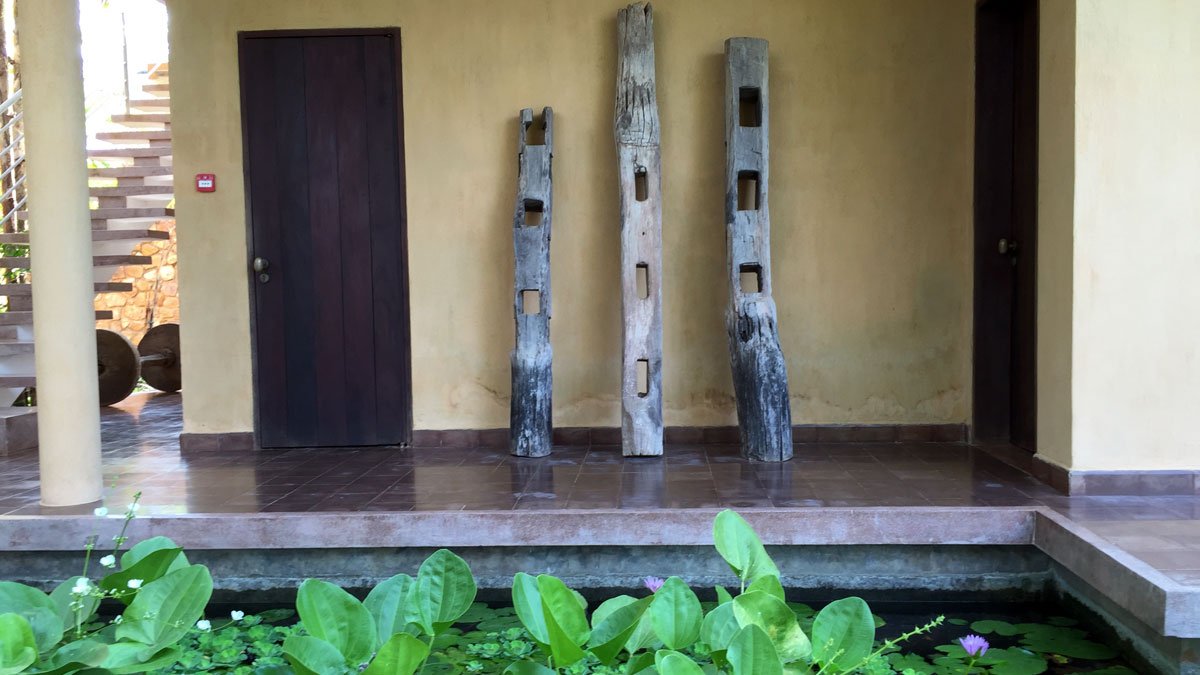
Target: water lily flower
{"x":974,"y":645}
{"x":237,"y":615}
{"x":653,"y":583}
{"x":100,"y":511}
{"x":82,"y":586}
{"x":134,"y":583}
{"x":108,"y":561}
{"x":204,"y":624}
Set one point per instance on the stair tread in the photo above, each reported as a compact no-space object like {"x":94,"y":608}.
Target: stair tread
{"x":26,"y":318}
{"x":17,"y":380}
{"x":22,"y":262}
{"x":139,"y":234}
{"x":151,"y":151}
{"x":27,"y":289}
{"x":141,"y":118}
{"x":118,"y":213}
{"x":135,"y":135}
{"x":131,"y":190}
{"x":129,"y":171}
{"x":156,"y":87}
{"x":13,"y":411}
{"x":150,"y":103}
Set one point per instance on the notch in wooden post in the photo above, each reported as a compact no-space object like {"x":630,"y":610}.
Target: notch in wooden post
{"x":643,"y":378}
{"x":531,"y":301}
{"x":641,"y":187}
{"x":534,"y":209}
{"x":750,"y":278}
{"x":535,"y":131}
{"x":748,"y":190}
{"x":749,"y":107}
{"x":643,"y":280}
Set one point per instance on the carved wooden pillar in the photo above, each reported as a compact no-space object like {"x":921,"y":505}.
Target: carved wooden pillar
{"x":639,"y":166}
{"x":530,"y":418}
{"x":759,"y":371}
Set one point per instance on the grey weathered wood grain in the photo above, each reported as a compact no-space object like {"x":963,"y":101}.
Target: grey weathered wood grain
{"x":530,"y":422}
{"x":759,"y":371}
{"x":636,"y":130}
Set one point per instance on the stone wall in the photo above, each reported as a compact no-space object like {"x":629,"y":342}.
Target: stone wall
{"x":154,"y":299}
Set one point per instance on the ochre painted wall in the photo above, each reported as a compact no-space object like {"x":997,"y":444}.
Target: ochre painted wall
{"x":871,"y":201}
{"x":1136,"y":324}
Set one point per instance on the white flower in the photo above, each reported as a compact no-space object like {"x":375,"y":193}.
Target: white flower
{"x":134,"y":583}
{"x":100,"y":511}
{"x":133,"y":507}
{"x":82,"y":586}
{"x":203,"y":624}
{"x":237,"y":615}
{"x":119,"y":619}
{"x":108,"y":561}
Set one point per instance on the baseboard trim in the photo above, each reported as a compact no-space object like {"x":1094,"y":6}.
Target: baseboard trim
{"x":233,"y":441}
{"x":1133,"y":483}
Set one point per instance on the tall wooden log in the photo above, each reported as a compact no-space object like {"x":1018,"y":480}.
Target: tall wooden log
{"x":639,"y":165}
{"x":759,"y":371}
{"x":530,"y":416}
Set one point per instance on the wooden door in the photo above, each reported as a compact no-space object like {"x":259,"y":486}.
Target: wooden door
{"x":325,"y":190}
{"x":1005,"y":387}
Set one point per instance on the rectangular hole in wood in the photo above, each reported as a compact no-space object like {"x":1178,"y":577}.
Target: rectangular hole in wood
{"x":749,"y":107}
{"x":533,"y":212}
{"x":748,"y":196}
{"x":535,"y":132}
{"x":750,"y":278}
{"x":641,"y":187}
{"x":643,"y":377}
{"x":531,"y":301}
{"x":643,"y":280}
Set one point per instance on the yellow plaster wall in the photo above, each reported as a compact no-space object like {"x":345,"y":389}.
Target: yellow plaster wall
{"x":1136,"y":358}
{"x":871,"y":201}
{"x":1056,"y":226}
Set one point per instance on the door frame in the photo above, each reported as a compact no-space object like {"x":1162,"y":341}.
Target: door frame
{"x":406,"y":320}
{"x":1024,"y":149}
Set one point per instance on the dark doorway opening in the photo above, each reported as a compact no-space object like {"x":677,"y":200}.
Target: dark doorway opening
{"x":1005,"y":327}
{"x":323,"y":150}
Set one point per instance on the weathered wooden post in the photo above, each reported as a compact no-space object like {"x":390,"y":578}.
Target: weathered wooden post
{"x":639,"y":166}
{"x":759,"y":371}
{"x":530,"y":417}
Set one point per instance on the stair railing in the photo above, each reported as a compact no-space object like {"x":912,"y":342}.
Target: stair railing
{"x":12,"y":159}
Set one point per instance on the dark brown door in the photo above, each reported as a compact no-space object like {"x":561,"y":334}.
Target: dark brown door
{"x":325,"y":182}
{"x":1005,"y":389}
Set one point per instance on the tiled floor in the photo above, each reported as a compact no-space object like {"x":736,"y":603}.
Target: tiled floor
{"x":141,"y":453}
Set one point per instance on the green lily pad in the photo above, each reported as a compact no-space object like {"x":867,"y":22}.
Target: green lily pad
{"x":1069,"y":642}
{"x":957,"y":622}
{"x":998,"y":627}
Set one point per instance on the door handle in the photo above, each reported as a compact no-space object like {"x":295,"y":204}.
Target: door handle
{"x":260,"y":266}
{"x":1007,"y":246}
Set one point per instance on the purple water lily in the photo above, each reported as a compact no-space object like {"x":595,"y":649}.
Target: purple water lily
{"x":654,"y":583}
{"x":974,"y":645}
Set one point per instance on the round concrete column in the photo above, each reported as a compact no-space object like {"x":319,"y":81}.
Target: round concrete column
{"x":60,"y":238}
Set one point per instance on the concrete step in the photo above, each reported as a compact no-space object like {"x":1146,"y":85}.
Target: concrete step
{"x":130,"y":171}
{"x":157,"y":88}
{"x":136,"y":135}
{"x":148,"y":103}
{"x":131,"y":190}
{"x":116,"y":213}
{"x":138,"y":234}
{"x":18,"y":428}
{"x":123,"y":153}
{"x":22,"y":262}
{"x":26,"y":319}
{"x":141,"y":118}
{"x":101,"y":287}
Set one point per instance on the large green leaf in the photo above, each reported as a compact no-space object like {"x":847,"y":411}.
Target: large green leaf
{"x":673,"y":663}
{"x":402,"y":654}
{"x":390,"y":604}
{"x":153,"y":566}
{"x":527,"y":601}
{"x":130,"y":657}
{"x":74,"y":656}
{"x":37,"y":608}
{"x":18,"y":649}
{"x":639,"y":663}
{"x":769,"y":584}
{"x":444,"y":591}
{"x":777,"y":620}
{"x":528,"y":668}
{"x":675,"y":614}
{"x":164,"y":610}
{"x":752,"y":653}
{"x":740,"y":546}
{"x":843,"y":633}
{"x":719,"y":627}
{"x":565,"y":620}
{"x":723,"y":595}
{"x":333,"y":615}
{"x":147,"y":546}
{"x":612,"y":627}
{"x":62,"y":597}
{"x":313,"y":656}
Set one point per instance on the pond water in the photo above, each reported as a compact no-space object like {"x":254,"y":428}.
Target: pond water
{"x":1024,"y":639}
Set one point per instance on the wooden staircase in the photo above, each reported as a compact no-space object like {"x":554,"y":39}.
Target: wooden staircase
{"x":131,"y":188}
